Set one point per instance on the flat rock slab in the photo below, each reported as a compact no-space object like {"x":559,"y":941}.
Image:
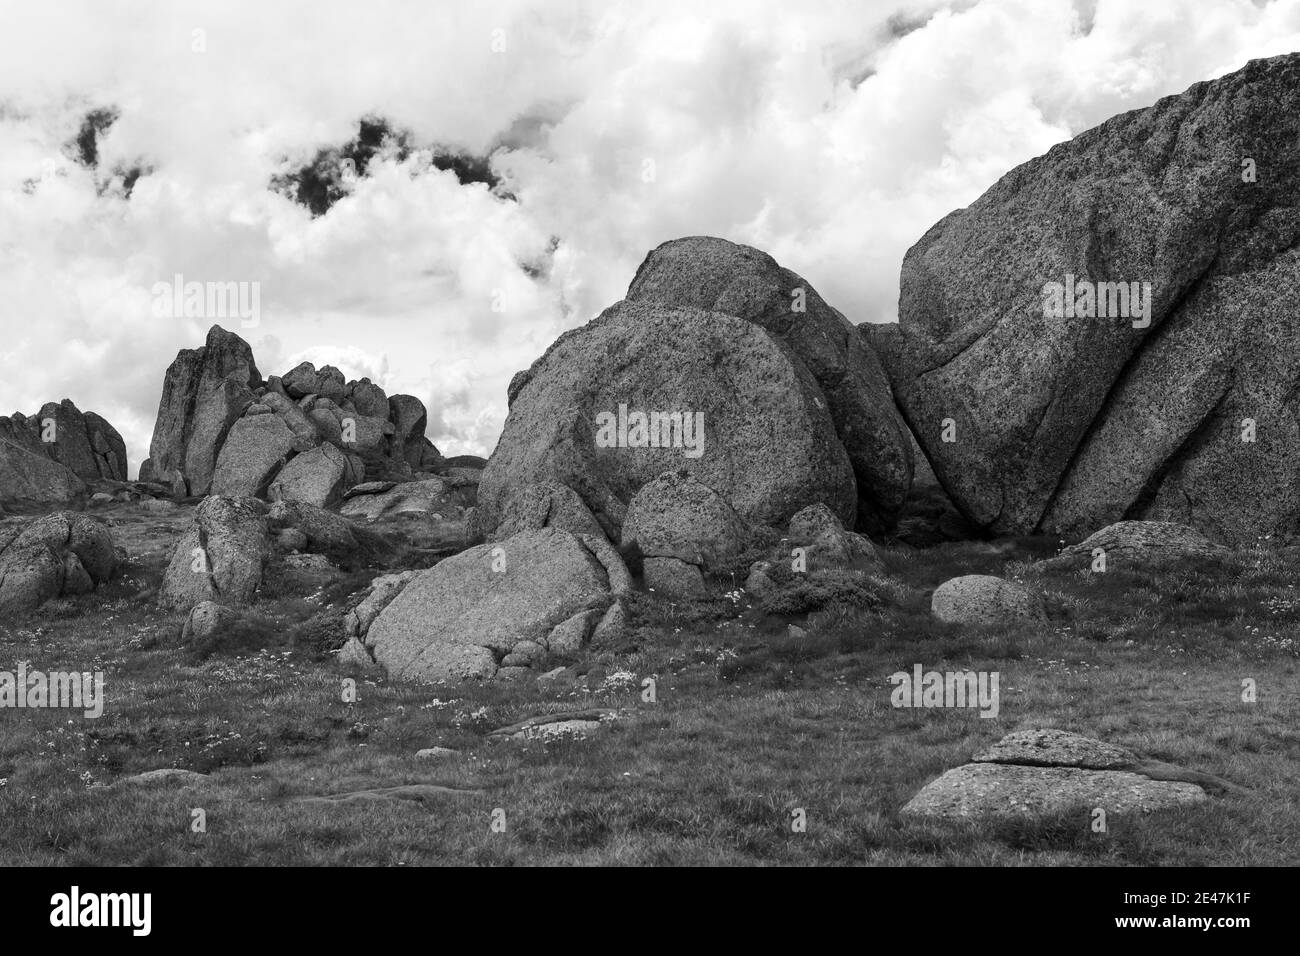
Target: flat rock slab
{"x":576,"y":723}
{"x":1057,"y":748}
{"x":417,"y":792}
{"x":991,"y":791}
{"x":166,"y":776}
{"x":437,"y":753}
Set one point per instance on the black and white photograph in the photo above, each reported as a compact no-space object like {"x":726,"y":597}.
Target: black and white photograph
{"x":650,"y":434}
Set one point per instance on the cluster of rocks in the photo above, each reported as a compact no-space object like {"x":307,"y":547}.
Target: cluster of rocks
{"x":58,"y":555}
{"x":723,"y":423}
{"x":495,"y":610}
{"x":55,"y":456}
{"x":308,"y":435}
{"x":722,"y":364}
{"x":1043,"y":774}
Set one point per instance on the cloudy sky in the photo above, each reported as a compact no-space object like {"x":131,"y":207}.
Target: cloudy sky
{"x":832,"y":134}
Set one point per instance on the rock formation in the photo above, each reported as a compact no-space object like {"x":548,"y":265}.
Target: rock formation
{"x":718,"y":276}
{"x":221,"y":558}
{"x":1043,"y":774}
{"x":496,"y":607}
{"x":646,"y":388}
{"x":309,"y":435}
{"x":49,"y":458}
{"x":1109,"y":332}
{"x":60,"y":554}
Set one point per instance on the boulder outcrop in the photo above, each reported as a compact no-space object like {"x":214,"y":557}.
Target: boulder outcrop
{"x":222,"y":430}
{"x":646,"y":388}
{"x":715,"y":275}
{"x":1100,"y":336}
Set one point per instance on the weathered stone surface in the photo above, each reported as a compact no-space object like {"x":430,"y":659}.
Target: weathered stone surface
{"x":1007,"y":791}
{"x":356,"y":623}
{"x":316,"y":477}
{"x":1057,"y":748}
{"x":29,"y":576}
{"x":715,"y":275}
{"x":525,"y":653}
{"x":29,"y":479}
{"x":677,"y":516}
{"x":354,"y":653}
{"x":87,"y":538}
{"x":167,"y":776}
{"x":83,"y":442}
{"x":60,"y":554}
{"x":364,"y":435}
{"x":304,"y":380}
{"x":368,"y":399}
{"x":325,"y":531}
{"x":46,"y":459}
{"x":827,"y":544}
{"x":436,"y":753}
{"x":1068,"y":424}
{"x":409,"y":418}
{"x":448,"y":496}
{"x":303,"y":427}
{"x":204,"y":392}
{"x":207,"y":621}
{"x":769,"y":448}
{"x":983,"y":599}
{"x":221,"y":557}
{"x":544,"y":504}
{"x":568,"y":637}
{"x":254,"y":451}
{"x":456,"y":619}
{"x":613,"y":627}
{"x":672,"y":577}
{"x":1140,"y":544}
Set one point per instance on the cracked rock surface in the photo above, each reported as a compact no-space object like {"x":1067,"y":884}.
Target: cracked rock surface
{"x":1037,"y":774}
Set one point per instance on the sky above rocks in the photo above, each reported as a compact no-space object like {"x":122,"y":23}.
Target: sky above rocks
{"x":141,"y":141}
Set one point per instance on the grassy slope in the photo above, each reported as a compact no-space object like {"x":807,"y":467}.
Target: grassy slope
{"x":748,"y":725}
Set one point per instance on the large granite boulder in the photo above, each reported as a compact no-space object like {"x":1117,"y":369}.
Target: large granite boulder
{"x":1048,"y":774}
{"x":60,"y":554}
{"x":205,"y":391}
{"x":677,"y":516}
{"x":255,"y":449}
{"x":1138,"y":544}
{"x":28,"y":479}
{"x":367,"y":398}
{"x":604,"y":410}
{"x":48,"y":458}
{"x":305,"y":379}
{"x":221,"y":558}
{"x":318,"y":476}
{"x":1104,"y":335}
{"x":715,"y":275}
{"x":462,"y":617}
{"x":85,"y":443}
{"x":984,"y":599}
